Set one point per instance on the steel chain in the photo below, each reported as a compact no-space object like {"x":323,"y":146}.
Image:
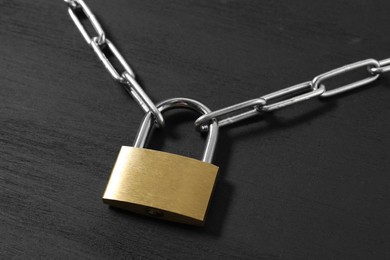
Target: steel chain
{"x":314,"y":88}
{"x":301,"y":92}
{"x":98,"y":43}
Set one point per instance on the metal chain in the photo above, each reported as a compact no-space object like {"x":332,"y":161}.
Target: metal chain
{"x":98,"y":44}
{"x":300,"y":92}
{"x":311,"y":89}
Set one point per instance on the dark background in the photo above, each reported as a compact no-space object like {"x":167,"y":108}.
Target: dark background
{"x":307,"y":182}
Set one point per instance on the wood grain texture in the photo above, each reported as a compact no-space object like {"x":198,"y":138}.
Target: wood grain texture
{"x":307,"y":182}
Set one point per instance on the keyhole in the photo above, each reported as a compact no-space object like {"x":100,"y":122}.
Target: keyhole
{"x":154,"y":212}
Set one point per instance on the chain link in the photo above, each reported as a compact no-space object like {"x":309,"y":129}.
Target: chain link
{"x":74,"y":5}
{"x":253,"y":104}
{"x":314,"y":88}
{"x":98,"y":43}
{"x":384,"y":67}
{"x":132,"y":86}
{"x":98,"y":49}
{"x":314,"y":91}
{"x":369,"y":63}
{"x":289,"y":96}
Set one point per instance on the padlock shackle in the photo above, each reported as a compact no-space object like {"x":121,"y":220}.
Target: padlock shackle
{"x":186,"y":103}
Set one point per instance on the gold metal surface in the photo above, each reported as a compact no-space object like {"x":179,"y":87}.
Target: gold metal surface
{"x":160,"y":184}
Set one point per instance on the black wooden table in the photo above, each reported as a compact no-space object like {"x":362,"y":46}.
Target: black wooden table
{"x":307,"y":182}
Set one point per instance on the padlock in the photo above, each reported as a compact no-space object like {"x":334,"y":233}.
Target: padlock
{"x":164,"y":185}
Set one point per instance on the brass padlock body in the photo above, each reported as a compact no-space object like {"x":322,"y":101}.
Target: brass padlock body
{"x":169,"y":186}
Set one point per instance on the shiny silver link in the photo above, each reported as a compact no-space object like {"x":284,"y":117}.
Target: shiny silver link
{"x":369,"y":63}
{"x":107,"y":64}
{"x":98,"y":43}
{"x":132,"y":86}
{"x":203,"y":121}
{"x":384,"y":67}
{"x":260,"y":105}
{"x":73,"y":5}
{"x":314,"y":92}
{"x":310,"y":89}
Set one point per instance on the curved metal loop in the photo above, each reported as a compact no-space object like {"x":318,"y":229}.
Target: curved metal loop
{"x":369,"y":63}
{"x":71,"y":3}
{"x":384,"y":67}
{"x":107,"y":64}
{"x":314,"y":92}
{"x":186,"y":103}
{"x":202,"y":122}
{"x":75,"y":4}
{"x":135,"y":90}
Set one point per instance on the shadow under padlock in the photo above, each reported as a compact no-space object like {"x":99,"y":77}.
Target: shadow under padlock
{"x":164,"y":185}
